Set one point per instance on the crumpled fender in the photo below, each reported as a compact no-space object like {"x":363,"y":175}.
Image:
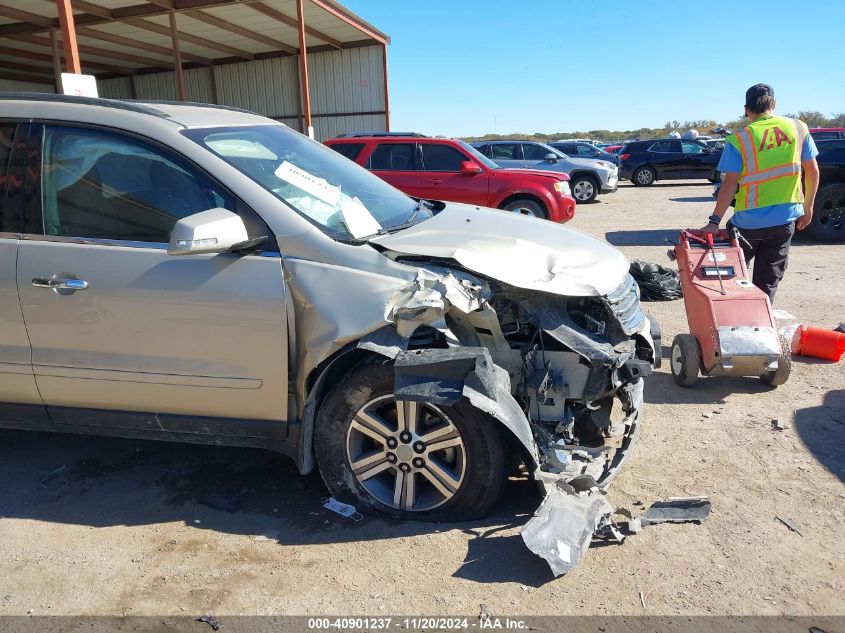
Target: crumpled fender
{"x":444,"y":376}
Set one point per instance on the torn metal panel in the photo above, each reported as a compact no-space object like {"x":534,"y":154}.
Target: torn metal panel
{"x":562,"y":527}
{"x":385,"y":341}
{"x":443,"y":376}
{"x":678,"y":510}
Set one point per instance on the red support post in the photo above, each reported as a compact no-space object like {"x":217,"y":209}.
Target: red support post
{"x":304,"y":88}
{"x":69,"y":36}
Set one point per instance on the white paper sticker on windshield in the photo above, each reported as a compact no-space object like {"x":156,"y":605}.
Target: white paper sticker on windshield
{"x":358,"y":219}
{"x":311,"y":184}
{"x":241,"y":148}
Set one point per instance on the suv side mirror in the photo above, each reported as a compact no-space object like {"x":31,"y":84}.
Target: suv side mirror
{"x":552,"y":158}
{"x":212,"y":231}
{"x":469,"y":168}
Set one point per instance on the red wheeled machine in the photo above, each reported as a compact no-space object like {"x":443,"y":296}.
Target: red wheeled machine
{"x":732,"y":331}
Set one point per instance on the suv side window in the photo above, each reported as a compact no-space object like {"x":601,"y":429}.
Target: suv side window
{"x":484,"y":149}
{"x":664,"y":146}
{"x":568,"y":148}
{"x":505,"y":151}
{"x":105,"y":185}
{"x":392,"y":157}
{"x":691,"y":148}
{"x":441,"y":158}
{"x":587,"y":151}
{"x":350,"y":150}
{"x":533,"y":152}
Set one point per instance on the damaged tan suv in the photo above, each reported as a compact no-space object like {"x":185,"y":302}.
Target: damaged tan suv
{"x":203,"y":274}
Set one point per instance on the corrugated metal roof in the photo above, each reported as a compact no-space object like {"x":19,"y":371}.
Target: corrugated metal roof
{"x":204,"y":36}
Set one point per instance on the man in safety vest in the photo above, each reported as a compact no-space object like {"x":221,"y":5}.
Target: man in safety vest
{"x":762,"y":165}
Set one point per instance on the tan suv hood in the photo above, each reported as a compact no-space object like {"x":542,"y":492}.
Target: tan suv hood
{"x":521,"y":251}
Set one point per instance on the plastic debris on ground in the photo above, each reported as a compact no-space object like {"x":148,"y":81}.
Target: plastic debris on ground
{"x":563,"y":526}
{"x":210,"y":620}
{"x":790,"y":524}
{"x":343,"y":509}
{"x":657,"y":283}
{"x":678,"y":510}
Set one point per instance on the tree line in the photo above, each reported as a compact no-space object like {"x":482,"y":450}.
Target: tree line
{"x":704,"y":126}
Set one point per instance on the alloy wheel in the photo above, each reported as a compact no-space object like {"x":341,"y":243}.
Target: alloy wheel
{"x":407,"y":455}
{"x":645,"y":177}
{"x":583,"y":190}
{"x":831,"y":216}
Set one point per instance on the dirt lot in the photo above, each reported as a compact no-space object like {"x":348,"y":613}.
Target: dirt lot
{"x":131,"y":527}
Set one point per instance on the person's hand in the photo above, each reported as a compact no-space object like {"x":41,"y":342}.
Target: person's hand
{"x":710,"y":228}
{"x":804,"y":221}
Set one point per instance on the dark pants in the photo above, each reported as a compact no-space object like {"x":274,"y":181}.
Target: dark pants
{"x":769,"y":249}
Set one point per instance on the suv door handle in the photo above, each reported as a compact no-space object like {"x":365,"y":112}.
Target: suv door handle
{"x":436,"y":181}
{"x":59,"y":284}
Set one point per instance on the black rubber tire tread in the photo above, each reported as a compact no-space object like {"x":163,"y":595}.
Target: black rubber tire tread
{"x":690,"y":359}
{"x":781,"y":374}
{"x":482,"y":436}
{"x":815,"y":229}
{"x":538,"y":209}
{"x":638,"y":170}
{"x":585,"y":177}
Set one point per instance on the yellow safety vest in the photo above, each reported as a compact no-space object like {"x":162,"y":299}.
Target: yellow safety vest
{"x":771,"y":162}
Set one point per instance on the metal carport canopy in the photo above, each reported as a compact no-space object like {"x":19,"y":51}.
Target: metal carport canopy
{"x":132,"y":37}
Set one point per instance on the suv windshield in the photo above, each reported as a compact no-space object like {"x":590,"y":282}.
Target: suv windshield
{"x":341,"y":198}
{"x":481,"y":158}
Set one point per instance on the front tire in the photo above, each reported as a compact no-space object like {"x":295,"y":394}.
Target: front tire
{"x":526,"y":206}
{"x":828,"y":223}
{"x":685,"y":359}
{"x":584,"y":188}
{"x":644,"y":176}
{"x":408,"y":460}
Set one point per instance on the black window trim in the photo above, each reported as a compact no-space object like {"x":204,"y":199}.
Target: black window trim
{"x":421,"y":165}
{"x":414,"y":148}
{"x":269,"y":249}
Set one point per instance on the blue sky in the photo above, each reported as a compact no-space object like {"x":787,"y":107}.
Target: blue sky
{"x":467,"y":67}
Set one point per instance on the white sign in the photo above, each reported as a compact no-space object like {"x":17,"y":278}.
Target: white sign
{"x":79,"y":85}
{"x":309,"y":183}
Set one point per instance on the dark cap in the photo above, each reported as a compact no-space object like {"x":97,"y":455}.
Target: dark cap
{"x":756,"y":91}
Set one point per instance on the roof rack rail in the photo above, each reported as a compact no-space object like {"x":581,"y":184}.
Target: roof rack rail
{"x":195,"y":104}
{"x":365,"y":134}
{"x":105,"y":103}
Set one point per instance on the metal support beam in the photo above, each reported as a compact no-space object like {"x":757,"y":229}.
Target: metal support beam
{"x":304,"y":89}
{"x":187,"y":37}
{"x":38,"y":40}
{"x":69,"y":36}
{"x":386,"y":94}
{"x":97,"y":34}
{"x":57,"y":59}
{"x":220,"y":23}
{"x":277,"y":15}
{"x":177,"y":60}
{"x":340,"y":13}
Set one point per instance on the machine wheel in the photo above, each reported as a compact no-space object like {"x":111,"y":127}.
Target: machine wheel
{"x":780,"y":375}
{"x":644,"y":176}
{"x":686,"y":359}
{"x":525,"y":206}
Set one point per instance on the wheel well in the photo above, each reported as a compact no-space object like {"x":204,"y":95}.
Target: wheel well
{"x":588,"y":174}
{"x":524,"y":196}
{"x":644,"y":166}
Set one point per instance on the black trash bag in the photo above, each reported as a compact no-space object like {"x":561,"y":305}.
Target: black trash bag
{"x":657,"y":283}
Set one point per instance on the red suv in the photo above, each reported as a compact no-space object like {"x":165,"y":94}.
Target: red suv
{"x":449,"y":169}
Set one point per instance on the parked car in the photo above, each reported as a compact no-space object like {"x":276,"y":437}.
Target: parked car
{"x":203,"y":274}
{"x":827,"y":133}
{"x":451,"y":170}
{"x":587,"y":178}
{"x":612,"y":149}
{"x":644,"y":162}
{"x":580,"y":149}
{"x":828,"y":223}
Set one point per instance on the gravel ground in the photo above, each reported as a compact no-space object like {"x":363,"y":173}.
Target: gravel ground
{"x":131,"y":527}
